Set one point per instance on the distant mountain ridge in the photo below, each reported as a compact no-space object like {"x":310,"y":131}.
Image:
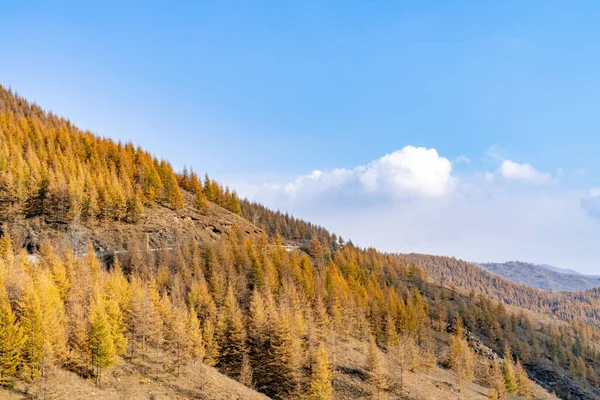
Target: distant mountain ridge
{"x":565,"y":270}
{"x":543,"y":276}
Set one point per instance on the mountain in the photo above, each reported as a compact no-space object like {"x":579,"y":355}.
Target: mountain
{"x":466,"y":277}
{"x":542,"y":277}
{"x":564,"y":270}
{"x":122,"y":278}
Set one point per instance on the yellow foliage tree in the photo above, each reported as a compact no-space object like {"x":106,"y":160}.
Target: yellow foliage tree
{"x":321,"y":376}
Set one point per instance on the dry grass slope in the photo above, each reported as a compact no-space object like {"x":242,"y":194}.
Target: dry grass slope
{"x":143,"y":378}
{"x":350,"y":382}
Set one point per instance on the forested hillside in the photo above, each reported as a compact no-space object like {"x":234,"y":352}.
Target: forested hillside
{"x":51,"y":169}
{"x":213,"y":290}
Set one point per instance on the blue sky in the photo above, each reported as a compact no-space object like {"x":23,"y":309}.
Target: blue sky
{"x":260,"y":94}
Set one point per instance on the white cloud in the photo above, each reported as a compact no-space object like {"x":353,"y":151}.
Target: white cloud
{"x":405,"y":173}
{"x":411,"y":171}
{"x":522,"y":172}
{"x":319,"y":181}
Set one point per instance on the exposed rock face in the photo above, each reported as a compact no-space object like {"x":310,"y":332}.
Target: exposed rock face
{"x":480,"y":348}
{"x":160,"y":228}
{"x":562,"y":385}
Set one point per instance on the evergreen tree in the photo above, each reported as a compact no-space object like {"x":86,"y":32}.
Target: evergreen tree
{"x":196,"y":343}
{"x":6,"y":250}
{"x":135,"y":207}
{"x":376,"y":368}
{"x":404,"y":353}
{"x":287,"y":358}
{"x":208,"y":189}
{"x":233,"y":338}
{"x":321,"y":376}
{"x":508,"y":370}
{"x":177,"y":337}
{"x":200,"y":200}
{"x":461,"y":358}
{"x":114,"y":316}
{"x":34,"y":349}
{"x":495,"y":381}
{"x":246,"y":374}
{"x":259,"y":334}
{"x":522,"y":381}
{"x":322,"y":320}
{"x":118,"y":306}
{"x":412,"y":356}
{"x":54,"y":319}
{"x":102,"y":348}
{"x":234,"y":204}
{"x":212,"y":351}
{"x":11,"y":339}
{"x":316,"y":249}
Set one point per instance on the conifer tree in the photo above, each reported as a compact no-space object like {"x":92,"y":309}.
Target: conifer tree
{"x":200,"y":200}
{"x":246,"y":374}
{"x":495,"y":381}
{"x":57,"y":269}
{"x":316,"y":249}
{"x":77,"y":339}
{"x":212,"y":351}
{"x":461,"y":358}
{"x":103,"y":353}
{"x":376,"y":368}
{"x":508,"y":370}
{"x":195,"y":341}
{"x":217,"y":193}
{"x":427,"y":354}
{"x":208,"y":188}
{"x":522,"y":381}
{"x":54,"y":320}
{"x":322,"y":320}
{"x":118,"y":302}
{"x":135,"y":207}
{"x":321,"y":376}
{"x":6,"y":250}
{"x":403,"y":353}
{"x":177,"y":337}
{"x":144,"y":321}
{"x":233,"y":338}
{"x":410,"y":349}
{"x":259,"y":333}
{"x":11,"y":339}
{"x":234,"y":204}
{"x":177,"y":201}
{"x":33,"y":332}
{"x":115,"y":316}
{"x":257,"y":273}
{"x":287,"y":358}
